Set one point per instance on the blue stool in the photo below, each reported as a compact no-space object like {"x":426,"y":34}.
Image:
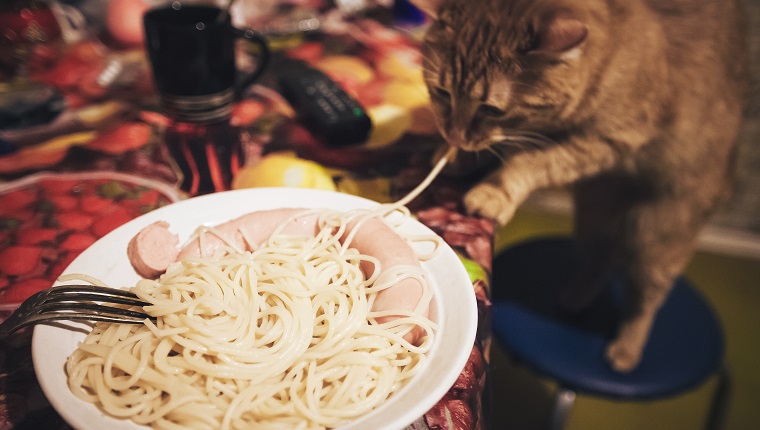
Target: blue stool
{"x":684,"y":349}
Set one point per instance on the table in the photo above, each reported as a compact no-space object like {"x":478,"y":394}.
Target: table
{"x":115,"y":139}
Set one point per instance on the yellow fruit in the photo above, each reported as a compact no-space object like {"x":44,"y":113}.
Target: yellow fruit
{"x":376,"y":189}
{"x":283,"y":170}
{"x":413,"y":96}
{"x":474,"y":270}
{"x":401,"y":66}
{"x":345,"y":65}
{"x":65,"y":141}
{"x":389,"y":123}
{"x":406,"y":94}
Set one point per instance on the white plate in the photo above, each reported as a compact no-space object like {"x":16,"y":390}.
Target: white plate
{"x":454,"y":305}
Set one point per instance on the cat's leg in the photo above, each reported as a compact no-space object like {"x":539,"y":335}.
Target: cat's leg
{"x":643,"y":301}
{"x":500,"y":193}
{"x":597,"y":218}
{"x":490,"y":201}
{"x":658,"y":241}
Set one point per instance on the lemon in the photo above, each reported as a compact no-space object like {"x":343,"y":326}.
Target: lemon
{"x":401,"y":66}
{"x":389,"y":123}
{"x":283,"y":170}
{"x":406,"y":94}
{"x":346,"y":65}
{"x":414,"y":97}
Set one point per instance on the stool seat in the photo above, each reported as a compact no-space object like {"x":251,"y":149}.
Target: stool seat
{"x":685,"y":347}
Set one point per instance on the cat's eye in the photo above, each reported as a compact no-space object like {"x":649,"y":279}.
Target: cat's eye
{"x":440,"y":93}
{"x":490,"y":111}
{"x":530,"y":42}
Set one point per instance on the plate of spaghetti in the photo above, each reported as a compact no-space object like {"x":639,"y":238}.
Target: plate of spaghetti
{"x":271,"y":308}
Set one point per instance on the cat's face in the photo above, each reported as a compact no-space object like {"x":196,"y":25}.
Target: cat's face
{"x":493,"y":74}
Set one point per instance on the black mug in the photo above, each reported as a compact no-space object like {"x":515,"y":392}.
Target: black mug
{"x":192,"y":52}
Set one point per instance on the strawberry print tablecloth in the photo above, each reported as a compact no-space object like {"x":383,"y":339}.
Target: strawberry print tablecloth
{"x":67,"y":183}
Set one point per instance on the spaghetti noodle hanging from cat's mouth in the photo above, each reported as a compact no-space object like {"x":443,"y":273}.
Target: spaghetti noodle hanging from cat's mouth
{"x":449,"y":155}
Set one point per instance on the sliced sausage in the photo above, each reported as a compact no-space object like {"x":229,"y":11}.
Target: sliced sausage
{"x":154,"y":249}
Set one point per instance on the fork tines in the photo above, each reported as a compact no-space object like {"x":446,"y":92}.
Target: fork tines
{"x":77,"y":302}
{"x":79,"y":293}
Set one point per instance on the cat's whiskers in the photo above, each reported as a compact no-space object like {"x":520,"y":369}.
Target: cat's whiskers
{"x":497,"y":154}
{"x":431,"y":62}
{"x":430,"y":65}
{"x":521,"y":140}
{"x":538,"y":137}
{"x":429,"y":69}
{"x":511,"y":144}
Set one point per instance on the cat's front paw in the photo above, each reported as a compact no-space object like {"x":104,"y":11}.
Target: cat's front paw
{"x":622,"y":356}
{"x":489,"y":201}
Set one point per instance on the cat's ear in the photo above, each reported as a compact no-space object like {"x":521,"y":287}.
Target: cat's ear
{"x":559,"y":33}
{"x":429,"y":7}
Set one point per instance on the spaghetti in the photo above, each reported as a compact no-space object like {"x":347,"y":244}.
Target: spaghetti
{"x":282,"y":336}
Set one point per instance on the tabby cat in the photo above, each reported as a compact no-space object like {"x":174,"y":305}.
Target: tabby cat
{"x":636,"y":103}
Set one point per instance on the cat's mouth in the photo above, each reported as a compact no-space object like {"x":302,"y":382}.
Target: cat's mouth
{"x":469,"y":145}
{"x":472,"y":147}
{"x":523,"y":140}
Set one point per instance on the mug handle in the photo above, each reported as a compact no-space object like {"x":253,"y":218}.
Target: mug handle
{"x":262,"y":60}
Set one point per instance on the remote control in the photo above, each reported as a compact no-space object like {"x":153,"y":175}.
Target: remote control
{"x":323,"y":106}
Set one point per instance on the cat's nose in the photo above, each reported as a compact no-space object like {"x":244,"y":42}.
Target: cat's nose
{"x":458,"y":138}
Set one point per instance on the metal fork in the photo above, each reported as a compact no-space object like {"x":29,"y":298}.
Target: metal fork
{"x":75,"y":302}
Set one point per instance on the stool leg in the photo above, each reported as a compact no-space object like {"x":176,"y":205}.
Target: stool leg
{"x":720,"y":400}
{"x":563,"y":402}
